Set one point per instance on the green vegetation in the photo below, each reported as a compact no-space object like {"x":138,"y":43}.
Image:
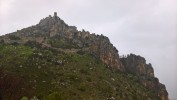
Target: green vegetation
{"x":13,"y":37}
{"x":24,"y":98}
{"x":49,"y":74}
{"x":55,"y":96}
{"x":61,"y":43}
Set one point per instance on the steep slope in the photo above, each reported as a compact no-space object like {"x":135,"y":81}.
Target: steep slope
{"x":53,"y":32}
{"x":53,"y":59}
{"x":136,"y":65}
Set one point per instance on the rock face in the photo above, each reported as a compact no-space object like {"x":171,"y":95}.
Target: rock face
{"x":55,"y":26}
{"x":53,"y":32}
{"x":137,"y":66}
{"x":107,"y":53}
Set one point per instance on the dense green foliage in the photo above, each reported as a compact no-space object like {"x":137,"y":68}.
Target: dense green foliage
{"x":49,"y":74}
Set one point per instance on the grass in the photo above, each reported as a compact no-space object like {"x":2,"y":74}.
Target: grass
{"x":79,"y":77}
{"x":59,"y":42}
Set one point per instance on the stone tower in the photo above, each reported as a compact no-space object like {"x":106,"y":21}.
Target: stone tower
{"x":55,"y":14}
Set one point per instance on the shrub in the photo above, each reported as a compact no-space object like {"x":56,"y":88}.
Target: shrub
{"x":13,"y":37}
{"x":55,"y":96}
{"x":89,"y":79}
{"x":84,"y":71}
{"x":33,"y":44}
{"x":24,"y":98}
{"x":2,"y":41}
{"x":15,"y":43}
{"x":82,"y":87}
{"x":80,"y":52}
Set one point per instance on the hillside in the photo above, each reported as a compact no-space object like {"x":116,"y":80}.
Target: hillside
{"x":55,"y":61}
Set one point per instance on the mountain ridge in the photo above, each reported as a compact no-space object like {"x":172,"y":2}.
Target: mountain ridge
{"x":52,"y":32}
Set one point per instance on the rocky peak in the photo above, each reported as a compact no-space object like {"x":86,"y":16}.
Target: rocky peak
{"x":97,"y":45}
{"x":136,"y":65}
{"x":54,"y":25}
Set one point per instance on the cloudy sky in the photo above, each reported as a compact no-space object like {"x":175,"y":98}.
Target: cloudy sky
{"x":143,"y":27}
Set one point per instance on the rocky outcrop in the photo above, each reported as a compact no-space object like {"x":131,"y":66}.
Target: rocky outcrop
{"x":101,"y":47}
{"x":55,"y":26}
{"x":154,"y":85}
{"x":98,"y":45}
{"x":137,"y":66}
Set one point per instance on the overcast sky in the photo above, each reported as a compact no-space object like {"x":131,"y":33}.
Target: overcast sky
{"x":143,"y":27}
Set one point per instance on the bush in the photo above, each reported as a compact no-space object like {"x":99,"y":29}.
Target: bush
{"x":84,"y":71}
{"x":13,"y":37}
{"x":82,"y":87}
{"x":55,"y":96}
{"x":89,"y":79}
{"x":61,"y":43}
{"x":2,"y":41}
{"x":80,"y":52}
{"x":15,"y":43}
{"x":73,"y":77}
{"x":24,"y":98}
{"x":33,"y":44}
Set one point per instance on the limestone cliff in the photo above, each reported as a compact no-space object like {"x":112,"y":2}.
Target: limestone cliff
{"x":137,"y":66}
